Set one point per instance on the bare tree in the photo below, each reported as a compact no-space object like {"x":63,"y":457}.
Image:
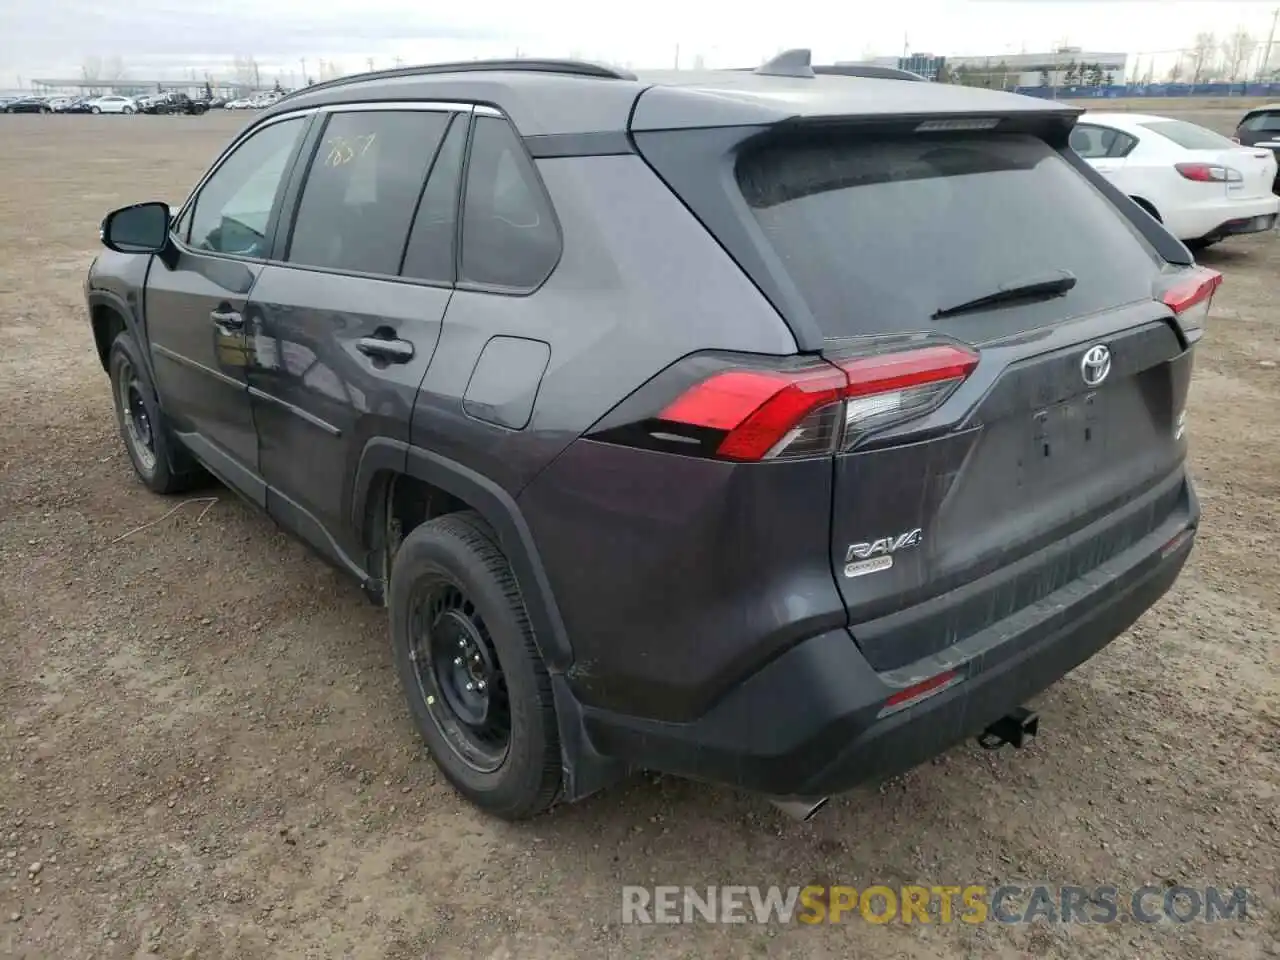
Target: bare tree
{"x":247,"y":71}
{"x":91,"y":69}
{"x":1203,"y":53}
{"x":1175,"y":72}
{"x":1237,"y":51}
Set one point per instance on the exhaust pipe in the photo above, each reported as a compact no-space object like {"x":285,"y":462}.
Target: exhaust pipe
{"x":1016,"y":728}
{"x":800,"y":810}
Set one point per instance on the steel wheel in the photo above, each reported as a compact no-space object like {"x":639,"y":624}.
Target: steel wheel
{"x":458,"y":673}
{"x":137,"y":421}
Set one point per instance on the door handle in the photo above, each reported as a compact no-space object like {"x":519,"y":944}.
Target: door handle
{"x":230,"y":319}
{"x":390,"y":351}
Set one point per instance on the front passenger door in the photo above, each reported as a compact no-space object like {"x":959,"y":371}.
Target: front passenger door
{"x":195,"y":307}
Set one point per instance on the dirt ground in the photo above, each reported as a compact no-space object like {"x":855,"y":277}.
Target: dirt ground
{"x":204,"y":746}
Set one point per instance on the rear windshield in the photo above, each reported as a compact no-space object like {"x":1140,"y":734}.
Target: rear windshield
{"x":1189,"y":136}
{"x":1266,"y":122}
{"x":878,"y":235}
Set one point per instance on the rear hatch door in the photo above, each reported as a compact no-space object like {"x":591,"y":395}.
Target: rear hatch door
{"x":1072,"y":411}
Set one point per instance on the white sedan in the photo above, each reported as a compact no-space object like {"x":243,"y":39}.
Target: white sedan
{"x":112,"y":104}
{"x":1200,"y":185}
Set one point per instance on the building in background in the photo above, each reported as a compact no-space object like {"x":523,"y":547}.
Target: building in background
{"x":1065,"y":67}
{"x":925,"y":64}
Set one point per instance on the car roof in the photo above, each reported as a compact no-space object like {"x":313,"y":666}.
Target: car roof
{"x":570,"y":97}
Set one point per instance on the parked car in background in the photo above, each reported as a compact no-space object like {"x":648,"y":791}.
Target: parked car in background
{"x":77,"y":105}
{"x":240,"y":103}
{"x":1201,"y":185}
{"x":29,"y":105}
{"x":1260,"y":127}
{"x":113,"y":103}
{"x":5,"y":101}
{"x":174,"y":103}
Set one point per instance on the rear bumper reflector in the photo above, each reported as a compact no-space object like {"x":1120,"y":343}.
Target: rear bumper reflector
{"x":909,"y":696}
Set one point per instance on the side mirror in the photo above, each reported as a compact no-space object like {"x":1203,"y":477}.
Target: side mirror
{"x":141,"y":228}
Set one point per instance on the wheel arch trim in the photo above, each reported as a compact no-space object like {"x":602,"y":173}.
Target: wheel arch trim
{"x":383,"y":456}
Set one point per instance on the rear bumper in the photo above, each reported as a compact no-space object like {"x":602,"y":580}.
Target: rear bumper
{"x":811,"y":723}
{"x":1224,"y":218}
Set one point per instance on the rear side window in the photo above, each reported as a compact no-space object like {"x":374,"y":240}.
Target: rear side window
{"x":1099,"y":143}
{"x":1189,"y":136}
{"x":362,"y":189}
{"x":430,"y":254}
{"x":509,"y":234}
{"x":1263,"y":122}
{"x":878,"y":235}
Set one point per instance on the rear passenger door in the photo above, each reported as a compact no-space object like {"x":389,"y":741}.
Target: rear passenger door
{"x":343,"y":323}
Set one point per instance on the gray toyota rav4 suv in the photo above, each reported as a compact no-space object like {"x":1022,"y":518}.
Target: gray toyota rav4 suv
{"x":775,"y":427}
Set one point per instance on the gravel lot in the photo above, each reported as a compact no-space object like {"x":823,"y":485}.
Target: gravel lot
{"x":204,"y":746}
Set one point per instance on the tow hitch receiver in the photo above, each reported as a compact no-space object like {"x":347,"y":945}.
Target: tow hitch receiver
{"x":1017,"y":727}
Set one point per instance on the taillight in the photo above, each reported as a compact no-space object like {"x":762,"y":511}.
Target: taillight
{"x":1190,"y":295}
{"x":746,"y":411}
{"x":1208,"y":173}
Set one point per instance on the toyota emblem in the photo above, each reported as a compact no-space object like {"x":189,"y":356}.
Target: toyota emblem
{"x":1095,"y":365}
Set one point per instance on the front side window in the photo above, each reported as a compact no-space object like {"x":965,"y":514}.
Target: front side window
{"x":234,"y":207}
{"x":362,"y":189}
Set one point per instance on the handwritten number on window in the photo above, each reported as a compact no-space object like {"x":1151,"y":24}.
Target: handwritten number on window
{"x":343,"y":150}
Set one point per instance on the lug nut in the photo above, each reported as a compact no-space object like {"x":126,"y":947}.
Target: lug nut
{"x":480,"y":685}
{"x":457,"y":661}
{"x":470,"y":685}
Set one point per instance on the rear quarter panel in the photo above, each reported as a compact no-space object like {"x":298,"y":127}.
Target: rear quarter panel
{"x":639,"y":285}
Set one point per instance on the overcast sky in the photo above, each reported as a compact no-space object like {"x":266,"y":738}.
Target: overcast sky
{"x":164,"y":38}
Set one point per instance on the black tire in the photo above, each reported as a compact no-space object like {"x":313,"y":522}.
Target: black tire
{"x":1149,"y":207}
{"x":1199,"y":244}
{"x":451,"y":582}
{"x":158,"y":459}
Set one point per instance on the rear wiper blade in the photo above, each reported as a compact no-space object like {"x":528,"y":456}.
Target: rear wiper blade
{"x":1032,"y":288}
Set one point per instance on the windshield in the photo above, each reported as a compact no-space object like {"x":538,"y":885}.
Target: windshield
{"x":1189,"y":136}
{"x":879,"y":235}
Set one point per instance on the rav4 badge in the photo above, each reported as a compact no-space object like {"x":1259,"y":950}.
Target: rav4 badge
{"x":876,"y":555}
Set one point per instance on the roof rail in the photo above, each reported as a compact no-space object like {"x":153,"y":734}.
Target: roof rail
{"x":577,"y":68}
{"x":789,"y":63}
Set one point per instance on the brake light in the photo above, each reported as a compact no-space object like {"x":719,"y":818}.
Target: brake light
{"x":748,"y":413}
{"x":1208,"y":173}
{"x":1191,"y":296}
